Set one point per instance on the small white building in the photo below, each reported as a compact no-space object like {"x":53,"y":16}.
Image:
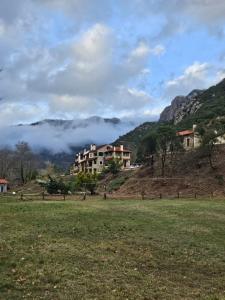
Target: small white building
{"x":192,"y":140}
{"x":3,"y":185}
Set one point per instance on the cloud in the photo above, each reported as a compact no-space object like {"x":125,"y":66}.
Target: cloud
{"x":185,"y":15}
{"x":60,"y":138}
{"x":86,"y":75}
{"x":195,"y":76}
{"x":77,"y":58}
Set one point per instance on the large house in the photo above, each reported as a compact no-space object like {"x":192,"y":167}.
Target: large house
{"x":96,"y":158}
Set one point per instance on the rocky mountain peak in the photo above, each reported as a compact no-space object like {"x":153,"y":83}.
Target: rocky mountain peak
{"x":181,"y":106}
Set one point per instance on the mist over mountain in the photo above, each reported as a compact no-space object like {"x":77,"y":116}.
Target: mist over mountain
{"x":58,"y":136}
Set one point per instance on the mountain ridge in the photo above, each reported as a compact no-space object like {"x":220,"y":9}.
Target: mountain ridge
{"x":199,"y":106}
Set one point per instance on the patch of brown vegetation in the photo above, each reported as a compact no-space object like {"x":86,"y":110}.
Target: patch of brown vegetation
{"x":190,"y":175}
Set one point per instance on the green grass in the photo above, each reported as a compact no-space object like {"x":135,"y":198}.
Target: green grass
{"x":162,"y":249}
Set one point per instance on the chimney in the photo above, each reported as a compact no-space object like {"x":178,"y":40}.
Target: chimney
{"x":93,"y":147}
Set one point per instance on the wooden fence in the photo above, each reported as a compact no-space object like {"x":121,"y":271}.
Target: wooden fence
{"x":84,"y":196}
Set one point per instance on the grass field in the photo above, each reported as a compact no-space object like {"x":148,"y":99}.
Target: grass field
{"x":162,"y":249}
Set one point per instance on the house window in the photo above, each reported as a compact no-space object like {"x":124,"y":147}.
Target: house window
{"x":100,"y":153}
{"x":100,"y":162}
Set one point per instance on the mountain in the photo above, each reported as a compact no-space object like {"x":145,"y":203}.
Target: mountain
{"x":199,"y":106}
{"x":74,"y":124}
{"x":210,"y":105}
{"x":181,"y":106}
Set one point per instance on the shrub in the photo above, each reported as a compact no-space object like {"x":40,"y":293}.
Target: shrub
{"x":220,"y":179}
{"x":116,"y":183}
{"x":56,"y":187}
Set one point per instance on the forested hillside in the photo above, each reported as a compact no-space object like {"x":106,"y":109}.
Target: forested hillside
{"x":199,"y":107}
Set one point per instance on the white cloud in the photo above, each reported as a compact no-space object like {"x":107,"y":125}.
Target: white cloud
{"x":158,"y":50}
{"x":195,"y":76}
{"x":185,"y":15}
{"x":58,"y":139}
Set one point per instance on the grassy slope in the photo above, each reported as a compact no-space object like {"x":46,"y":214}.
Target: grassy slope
{"x":112,"y":250}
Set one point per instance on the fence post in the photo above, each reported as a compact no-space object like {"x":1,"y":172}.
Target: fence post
{"x":212,"y":194}
{"x":104,"y":196}
{"x":21,"y":197}
{"x":64,"y":197}
{"x":178,"y":195}
{"x":195,"y":195}
{"x":43,"y":195}
{"x":84,"y":197}
{"x":142,"y":195}
{"x":160,"y":196}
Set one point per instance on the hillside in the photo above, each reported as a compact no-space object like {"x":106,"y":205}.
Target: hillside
{"x":199,"y":106}
{"x":190,"y":174}
{"x":211,"y":105}
{"x":133,"y":138}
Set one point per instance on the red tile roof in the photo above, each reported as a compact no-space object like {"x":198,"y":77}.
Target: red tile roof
{"x":185,"y":132}
{"x":3,"y":181}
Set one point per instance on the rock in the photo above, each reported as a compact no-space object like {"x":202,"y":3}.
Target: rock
{"x":181,"y":107}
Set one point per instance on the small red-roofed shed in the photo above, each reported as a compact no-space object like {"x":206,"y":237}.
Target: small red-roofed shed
{"x":3,"y":185}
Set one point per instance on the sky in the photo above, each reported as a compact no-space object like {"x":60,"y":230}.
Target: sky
{"x":74,"y":59}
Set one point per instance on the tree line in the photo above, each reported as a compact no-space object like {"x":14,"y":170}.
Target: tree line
{"x":20,"y":164}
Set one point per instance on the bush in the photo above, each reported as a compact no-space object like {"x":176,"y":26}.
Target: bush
{"x":114,"y":166}
{"x":220,"y":179}
{"x":86,"y":181}
{"x":116,"y":184}
{"x":56,"y":187}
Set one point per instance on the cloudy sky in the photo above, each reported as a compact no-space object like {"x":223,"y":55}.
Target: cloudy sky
{"x":124,"y":58}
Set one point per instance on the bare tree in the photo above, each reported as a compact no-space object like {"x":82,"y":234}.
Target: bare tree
{"x":26,"y":162}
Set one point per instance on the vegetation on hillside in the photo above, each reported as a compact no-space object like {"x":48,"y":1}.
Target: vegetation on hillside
{"x":212,"y":109}
{"x":212,"y":106}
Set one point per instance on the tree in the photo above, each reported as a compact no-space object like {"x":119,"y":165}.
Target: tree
{"x":25,"y":162}
{"x":166,"y":142}
{"x":56,"y":186}
{"x":209,"y":138}
{"x":87,"y":181}
{"x":114,"y":166}
{"x":6,"y":163}
{"x":147,"y":149}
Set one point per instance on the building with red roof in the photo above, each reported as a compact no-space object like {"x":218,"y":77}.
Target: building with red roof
{"x":96,"y":158}
{"x":3,"y":185}
{"x":189,"y":138}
